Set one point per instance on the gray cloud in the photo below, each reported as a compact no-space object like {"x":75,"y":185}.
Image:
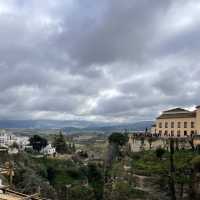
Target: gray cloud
{"x":120,"y":31}
{"x":99,"y":60}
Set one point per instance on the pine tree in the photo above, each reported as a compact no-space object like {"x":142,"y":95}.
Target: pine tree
{"x":60,"y":144}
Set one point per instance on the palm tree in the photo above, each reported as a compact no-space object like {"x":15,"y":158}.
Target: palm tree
{"x":9,"y":171}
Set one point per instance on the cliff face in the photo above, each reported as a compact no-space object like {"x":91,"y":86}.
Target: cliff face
{"x":157,"y":188}
{"x":154,"y":186}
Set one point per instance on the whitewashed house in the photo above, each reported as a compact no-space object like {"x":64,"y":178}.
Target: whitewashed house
{"x":48,"y":150}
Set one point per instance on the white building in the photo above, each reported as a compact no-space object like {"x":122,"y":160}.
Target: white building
{"x":7,"y":139}
{"x":48,"y":150}
{"x":22,"y":142}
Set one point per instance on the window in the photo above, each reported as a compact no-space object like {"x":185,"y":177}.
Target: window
{"x":178,"y":133}
{"x":185,"y":124}
{"x":160,"y":125}
{"x":166,"y":124}
{"x":172,"y":124}
{"x":160,"y":132}
{"x":172,"y":133}
{"x":166,"y":133}
{"x":192,"y":133}
{"x":192,"y":124}
{"x":179,"y":124}
{"x":185,"y":133}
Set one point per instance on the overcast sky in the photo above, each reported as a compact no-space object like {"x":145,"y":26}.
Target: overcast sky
{"x":102,"y":60}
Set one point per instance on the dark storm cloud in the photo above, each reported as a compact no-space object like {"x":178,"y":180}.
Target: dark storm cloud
{"x":109,"y":60}
{"x":121,"y":31}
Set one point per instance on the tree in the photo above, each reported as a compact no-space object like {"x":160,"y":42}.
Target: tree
{"x":122,"y":191}
{"x":96,"y":180}
{"x":38,"y":142}
{"x":160,"y":152}
{"x":27,"y":181}
{"x":118,"y":138}
{"x":79,"y":192}
{"x":60,"y":144}
{"x":150,"y":140}
{"x":172,"y":171}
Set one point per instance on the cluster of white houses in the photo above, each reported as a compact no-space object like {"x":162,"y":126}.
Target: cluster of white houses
{"x":7,"y":140}
{"x":177,"y":122}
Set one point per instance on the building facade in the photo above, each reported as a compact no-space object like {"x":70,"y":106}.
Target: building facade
{"x":48,"y":150}
{"x":177,"y":122}
{"x":22,"y":141}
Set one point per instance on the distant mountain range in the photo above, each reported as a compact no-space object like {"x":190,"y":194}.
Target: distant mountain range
{"x":75,"y":125}
{"x":43,"y":124}
{"x":138,"y":126}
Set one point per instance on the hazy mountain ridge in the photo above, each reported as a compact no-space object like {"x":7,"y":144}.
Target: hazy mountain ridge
{"x":137,"y":126}
{"x":74,"y":125}
{"x":43,"y":124}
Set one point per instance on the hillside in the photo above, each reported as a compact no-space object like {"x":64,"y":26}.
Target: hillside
{"x":74,"y":125}
{"x":138,"y":126}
